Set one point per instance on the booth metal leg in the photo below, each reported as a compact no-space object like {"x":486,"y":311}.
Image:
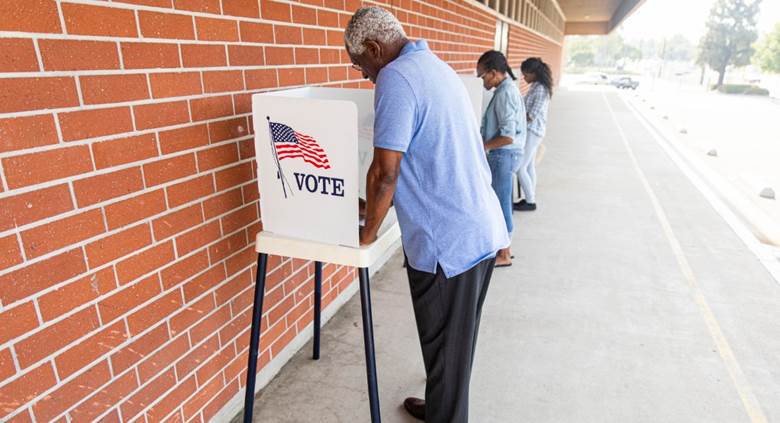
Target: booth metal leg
{"x":317,"y":308}
{"x":368,"y":340}
{"x":254,"y":341}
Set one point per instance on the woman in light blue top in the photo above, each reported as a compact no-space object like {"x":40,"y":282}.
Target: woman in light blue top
{"x":537,"y":102}
{"x":503,"y":132}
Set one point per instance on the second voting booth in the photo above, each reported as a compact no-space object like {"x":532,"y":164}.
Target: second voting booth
{"x":313,"y":147}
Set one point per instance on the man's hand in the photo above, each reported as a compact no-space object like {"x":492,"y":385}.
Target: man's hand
{"x":365,"y":237}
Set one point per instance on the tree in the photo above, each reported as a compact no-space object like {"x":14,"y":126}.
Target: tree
{"x":768,"y":52}
{"x":731,"y":31}
{"x":679,"y":49}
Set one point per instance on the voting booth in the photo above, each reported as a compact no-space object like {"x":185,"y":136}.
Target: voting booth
{"x":313,"y":148}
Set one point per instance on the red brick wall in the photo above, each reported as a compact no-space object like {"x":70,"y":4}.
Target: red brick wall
{"x":128,"y":199}
{"x":524,"y":44}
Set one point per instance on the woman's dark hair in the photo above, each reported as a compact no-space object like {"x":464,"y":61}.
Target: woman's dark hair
{"x":495,"y":60}
{"x":540,"y":70}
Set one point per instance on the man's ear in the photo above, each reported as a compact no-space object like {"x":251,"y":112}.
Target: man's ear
{"x":373,"y":49}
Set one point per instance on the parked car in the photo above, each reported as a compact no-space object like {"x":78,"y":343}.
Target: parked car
{"x":624,"y":83}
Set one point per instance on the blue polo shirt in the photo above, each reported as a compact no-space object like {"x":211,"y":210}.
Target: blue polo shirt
{"x":448,"y":213}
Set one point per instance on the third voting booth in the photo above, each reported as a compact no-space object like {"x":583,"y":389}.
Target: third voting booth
{"x":313,"y":148}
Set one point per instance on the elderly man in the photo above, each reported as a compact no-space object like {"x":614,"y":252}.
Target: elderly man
{"x":430,"y":163}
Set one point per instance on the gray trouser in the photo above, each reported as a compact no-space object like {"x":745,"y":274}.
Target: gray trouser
{"x":447,"y":313}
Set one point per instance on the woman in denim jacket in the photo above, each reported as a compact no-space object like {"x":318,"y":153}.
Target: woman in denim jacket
{"x":503,"y":132}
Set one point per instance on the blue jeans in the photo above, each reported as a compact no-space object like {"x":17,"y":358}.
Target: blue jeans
{"x":503,"y":164}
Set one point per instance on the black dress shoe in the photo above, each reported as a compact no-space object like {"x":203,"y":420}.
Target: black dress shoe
{"x":523,"y":206}
{"x":415,"y":407}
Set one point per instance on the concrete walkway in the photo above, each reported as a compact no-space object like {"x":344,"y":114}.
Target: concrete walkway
{"x":627,"y":303}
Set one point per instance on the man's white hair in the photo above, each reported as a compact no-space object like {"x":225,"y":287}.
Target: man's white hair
{"x":372,"y":23}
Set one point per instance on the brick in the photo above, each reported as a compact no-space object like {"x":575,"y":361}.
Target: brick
{"x":240,"y":261}
{"x":314,"y":37}
{"x":228,"y":129}
{"x":216,"y":404}
{"x":208,"y":391}
{"x":307,"y":56}
{"x":166,"y":25}
{"x":204,"y":282}
{"x":172,"y":400}
{"x":197,"y":238}
{"x":137,"y":208}
{"x":243,"y":104}
{"x":91,"y":349}
{"x":243,"y":55}
{"x":202,"y":6}
{"x":18,"y":55}
{"x":25,"y":388}
{"x":252,"y":32}
{"x":129,"y":298}
{"x":10,"y":254}
{"x":153,"y":3}
{"x":62,"y":233}
{"x":148,"y":394}
{"x":335,"y":38}
{"x":76,"y":294}
{"x":334,"y":4}
{"x":161,"y":114}
{"x":332,"y":56}
{"x":239,"y":219}
{"x":188,"y":316}
{"x":72,"y":392}
{"x":210,"y":325}
{"x":238,"y":284}
{"x":185,"y":138}
{"x":85,"y":124}
{"x":197,"y":356}
{"x":223,"y":81}
{"x":251,"y":193}
{"x":47,"y":341}
{"x":113,"y":88}
{"x":184,"y":269}
{"x":177,"y":222}
{"x":210,"y":29}
{"x":275,"y":11}
{"x":167,"y":170}
{"x":105,"y":398}
{"x":232,"y":330}
{"x":258,"y":79}
{"x":215,"y":364}
{"x":175,"y":84}
{"x":117,"y":245}
{"x":18,"y":321}
{"x":175,"y":417}
{"x":288,"y":34}
{"x":29,"y":16}
{"x":245,"y":8}
{"x":304,"y":15}
{"x":222,"y":203}
{"x":279,"y":56}
{"x":36,"y":168}
{"x":203,"y":56}
{"x":124,"y":150}
{"x":316,"y":75}
{"x":29,"y":207}
{"x":217,"y":157}
{"x":156,"y":363}
{"x":154,"y":312}
{"x":83,"y":19}
{"x":141,"y":347}
{"x":145,"y":262}
{"x":150,"y":55}
{"x":69,"y":55}
{"x":327,"y":18}
{"x":291,"y":76}
{"x":191,"y":190}
{"x":26,"y":132}
{"x":234,"y":176}
{"x":211,"y":108}
{"x":23,"y":94}
{"x":104,"y":187}
{"x":7,"y":367}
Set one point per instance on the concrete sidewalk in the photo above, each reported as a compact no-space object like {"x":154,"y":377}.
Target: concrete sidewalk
{"x":606,"y":316}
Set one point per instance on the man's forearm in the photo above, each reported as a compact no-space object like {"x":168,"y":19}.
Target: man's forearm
{"x":497,"y":142}
{"x":380,"y":188}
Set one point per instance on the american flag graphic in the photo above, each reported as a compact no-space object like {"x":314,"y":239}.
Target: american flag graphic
{"x":291,"y":144}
